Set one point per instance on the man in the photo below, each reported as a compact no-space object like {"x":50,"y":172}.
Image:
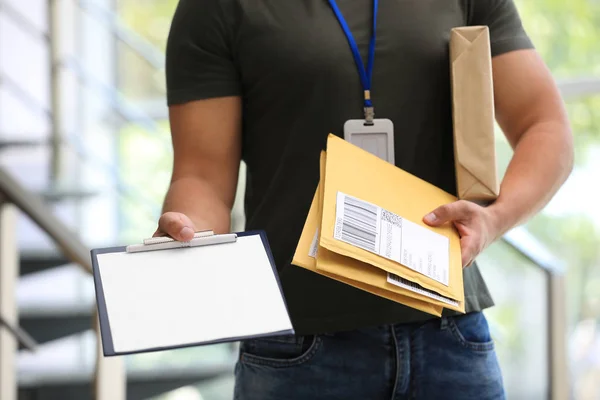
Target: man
{"x":266,"y":81}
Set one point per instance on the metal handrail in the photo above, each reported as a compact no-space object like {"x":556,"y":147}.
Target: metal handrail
{"x":24,"y":22}
{"x":23,"y":96}
{"x":22,"y":336}
{"x":34,"y":207}
{"x":83,"y":154}
{"x":579,"y":87}
{"x":110,"y":374}
{"x":527,"y":245}
{"x":80,"y":150}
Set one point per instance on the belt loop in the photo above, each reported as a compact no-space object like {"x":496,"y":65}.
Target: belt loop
{"x":443,"y":323}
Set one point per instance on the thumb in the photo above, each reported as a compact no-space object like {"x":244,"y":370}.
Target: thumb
{"x":444,"y":214}
{"x":177,"y":225}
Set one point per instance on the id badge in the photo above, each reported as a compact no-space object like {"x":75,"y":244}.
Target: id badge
{"x":376,"y":138}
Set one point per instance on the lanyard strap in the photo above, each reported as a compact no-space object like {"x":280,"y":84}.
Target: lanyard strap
{"x":365,"y":75}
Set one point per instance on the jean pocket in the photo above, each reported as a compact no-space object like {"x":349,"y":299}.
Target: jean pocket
{"x":472,"y":331}
{"x":280,"y":351}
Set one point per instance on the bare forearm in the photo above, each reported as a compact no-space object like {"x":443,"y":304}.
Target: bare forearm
{"x":198,"y":200}
{"x":541,"y":163}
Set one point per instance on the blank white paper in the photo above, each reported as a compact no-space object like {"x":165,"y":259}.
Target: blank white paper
{"x":184,"y":296}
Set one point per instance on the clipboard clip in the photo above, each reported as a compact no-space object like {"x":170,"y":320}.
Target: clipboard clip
{"x":204,"y":238}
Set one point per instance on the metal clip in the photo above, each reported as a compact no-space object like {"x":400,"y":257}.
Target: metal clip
{"x":205,"y":238}
{"x":369,"y":115}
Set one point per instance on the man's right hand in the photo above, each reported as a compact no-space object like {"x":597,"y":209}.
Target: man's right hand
{"x":176,"y":225}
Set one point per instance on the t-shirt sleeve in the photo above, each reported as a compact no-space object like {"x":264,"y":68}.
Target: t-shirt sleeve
{"x":199,"y":59}
{"x":504,"y":22}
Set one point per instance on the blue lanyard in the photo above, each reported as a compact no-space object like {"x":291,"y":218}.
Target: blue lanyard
{"x":365,"y":75}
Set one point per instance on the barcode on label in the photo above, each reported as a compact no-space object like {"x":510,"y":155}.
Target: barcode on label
{"x":367,"y":226}
{"x":358,"y":223}
{"x":415,"y":287}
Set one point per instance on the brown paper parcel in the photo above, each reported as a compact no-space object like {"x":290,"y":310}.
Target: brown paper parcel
{"x":473,"y":114}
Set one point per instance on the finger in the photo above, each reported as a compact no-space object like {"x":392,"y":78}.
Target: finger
{"x":456,"y":211}
{"x":177,"y":225}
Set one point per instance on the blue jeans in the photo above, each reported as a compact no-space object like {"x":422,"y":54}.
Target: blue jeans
{"x":449,"y":358}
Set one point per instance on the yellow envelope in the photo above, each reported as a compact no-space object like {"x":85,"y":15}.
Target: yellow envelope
{"x":305,"y":257}
{"x":357,"y":173}
{"x":473,"y":114}
{"x":358,"y":271}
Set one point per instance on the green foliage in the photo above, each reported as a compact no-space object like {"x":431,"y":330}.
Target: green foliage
{"x":146,"y":166}
{"x":584,"y":115}
{"x":149,"y":18}
{"x":579,"y":231}
{"x":566,"y":33}
{"x":574,"y":239}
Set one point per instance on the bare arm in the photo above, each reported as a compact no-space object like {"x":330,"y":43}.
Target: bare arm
{"x":206,"y":137}
{"x":530,"y":111}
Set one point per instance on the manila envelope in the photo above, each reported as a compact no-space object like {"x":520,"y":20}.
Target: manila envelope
{"x":308,"y":251}
{"x":358,"y":271}
{"x":355,"y":172}
{"x":473,"y":114}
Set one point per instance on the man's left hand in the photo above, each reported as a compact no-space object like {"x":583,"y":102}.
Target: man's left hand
{"x":478,"y":226}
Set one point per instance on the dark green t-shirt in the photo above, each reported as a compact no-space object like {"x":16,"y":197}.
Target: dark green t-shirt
{"x":291,"y":63}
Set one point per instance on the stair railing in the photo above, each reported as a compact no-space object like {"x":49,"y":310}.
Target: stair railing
{"x":529,"y":247}
{"x":20,"y":334}
{"x":110,"y":375}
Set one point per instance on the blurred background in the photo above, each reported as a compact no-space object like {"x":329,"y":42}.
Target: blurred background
{"x":85,"y":148}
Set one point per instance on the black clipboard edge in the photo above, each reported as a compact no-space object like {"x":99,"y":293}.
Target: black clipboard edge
{"x":105,"y":332}
{"x":210,"y":342}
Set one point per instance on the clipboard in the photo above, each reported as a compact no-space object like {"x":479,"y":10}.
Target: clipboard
{"x":240,"y":300}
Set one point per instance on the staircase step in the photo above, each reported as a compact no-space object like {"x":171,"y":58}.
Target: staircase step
{"x":56,"y":302}
{"x":47,"y":329}
{"x":63,"y":369}
{"x":56,"y":306}
{"x":33,"y":261}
